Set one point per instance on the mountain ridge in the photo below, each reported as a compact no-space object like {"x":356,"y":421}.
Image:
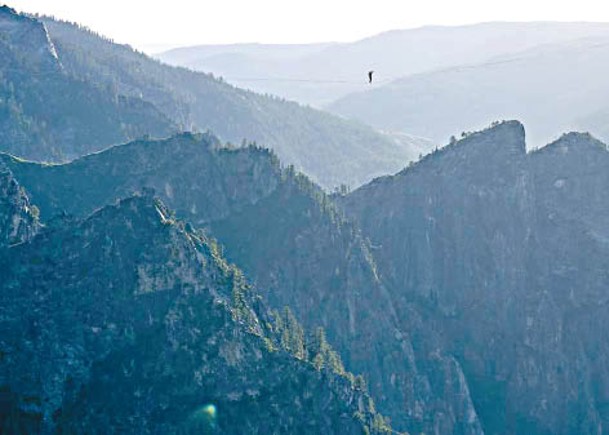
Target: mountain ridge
{"x":89,"y":330}
{"x":290,"y":241}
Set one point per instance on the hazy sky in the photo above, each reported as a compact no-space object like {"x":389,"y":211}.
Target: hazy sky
{"x":151,"y":24}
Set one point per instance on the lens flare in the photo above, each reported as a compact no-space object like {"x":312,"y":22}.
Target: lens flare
{"x":209,"y":410}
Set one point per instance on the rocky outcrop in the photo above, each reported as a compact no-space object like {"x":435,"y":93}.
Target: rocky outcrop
{"x":31,"y":35}
{"x":18,"y":218}
{"x":466,"y":194}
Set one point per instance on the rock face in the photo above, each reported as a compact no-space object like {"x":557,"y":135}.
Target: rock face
{"x":127,"y":322}
{"x":449,"y":196}
{"x":506,"y":255}
{"x":312,"y":259}
{"x":291,"y":241}
{"x":47,"y":113}
{"x":31,"y":36}
{"x":18,"y":218}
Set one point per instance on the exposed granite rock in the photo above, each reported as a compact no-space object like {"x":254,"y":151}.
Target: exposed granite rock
{"x":18,"y":218}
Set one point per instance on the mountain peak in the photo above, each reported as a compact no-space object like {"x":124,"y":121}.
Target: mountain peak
{"x":28,"y":37}
{"x":146,"y":211}
{"x":8,"y":14}
{"x":496,"y":145}
{"x":576,"y":142}
{"x":501,"y":145}
{"x":577,"y":156}
{"x":5,"y":9}
{"x":503,"y":134}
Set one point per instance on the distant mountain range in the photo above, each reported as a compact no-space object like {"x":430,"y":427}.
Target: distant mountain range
{"x":435,"y":82}
{"x":551,"y":88}
{"x":318,"y":74}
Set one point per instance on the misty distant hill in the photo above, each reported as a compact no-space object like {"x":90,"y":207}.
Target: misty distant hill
{"x":552,"y":88}
{"x":320,"y":73}
{"x":328,"y":148}
{"x":66,"y":92}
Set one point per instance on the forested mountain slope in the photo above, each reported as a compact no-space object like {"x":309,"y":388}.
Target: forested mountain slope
{"x":331,"y":150}
{"x":289,"y":239}
{"x":129,"y":322}
{"x":66,"y":92}
{"x":47,"y":113}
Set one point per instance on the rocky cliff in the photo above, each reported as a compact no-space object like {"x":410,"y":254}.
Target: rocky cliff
{"x":18,"y":217}
{"x":31,"y":35}
{"x":506,"y":254}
